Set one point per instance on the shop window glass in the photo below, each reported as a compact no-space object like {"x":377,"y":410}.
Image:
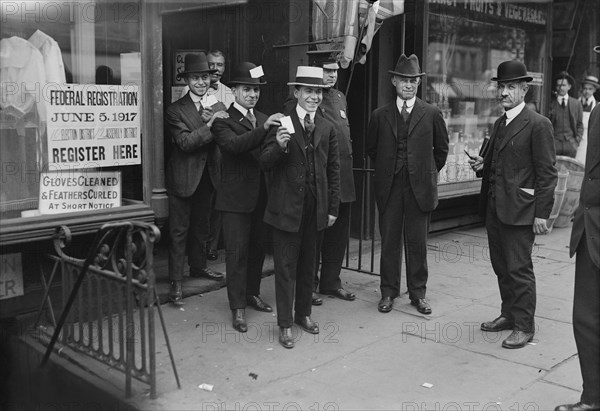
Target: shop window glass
{"x":70,"y":136}
{"x":465,"y":45}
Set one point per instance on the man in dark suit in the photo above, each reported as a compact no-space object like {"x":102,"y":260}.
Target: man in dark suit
{"x":408,"y":142}
{"x":242,"y":195}
{"x":585,"y":241}
{"x":331,"y":251}
{"x":517,"y":193}
{"x":192,"y":175}
{"x":303,"y":199}
{"x":566,"y":115}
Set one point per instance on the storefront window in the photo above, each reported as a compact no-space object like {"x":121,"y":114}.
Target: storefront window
{"x":466,"y":42}
{"x":70,"y":136}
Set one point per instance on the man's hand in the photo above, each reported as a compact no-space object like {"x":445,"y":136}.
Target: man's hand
{"x":273,"y":120}
{"x":476,"y":163}
{"x":331,"y":220}
{"x":540,"y":226}
{"x":206,"y":114}
{"x":218,"y":114}
{"x":283,"y":137}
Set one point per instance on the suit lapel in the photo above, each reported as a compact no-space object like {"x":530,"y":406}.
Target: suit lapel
{"x":415,"y":116}
{"x":515,"y":126}
{"x":189,"y":109}
{"x":317,"y":132}
{"x":390,"y":115}
{"x":298,"y":135}
{"x":236,"y":116}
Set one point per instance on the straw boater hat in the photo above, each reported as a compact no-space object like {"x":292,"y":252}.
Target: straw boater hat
{"x":323,"y":58}
{"x":308,"y":76}
{"x":196,"y":63}
{"x":407,"y":67}
{"x":567,"y":76}
{"x":247,"y":73}
{"x":512,"y":70}
{"x":597,"y":49}
{"x":593,"y":80}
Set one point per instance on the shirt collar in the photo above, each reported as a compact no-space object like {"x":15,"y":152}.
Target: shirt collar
{"x":195,"y":98}
{"x":409,"y":103}
{"x":241,"y":109}
{"x":514,"y":112}
{"x":302,"y":113}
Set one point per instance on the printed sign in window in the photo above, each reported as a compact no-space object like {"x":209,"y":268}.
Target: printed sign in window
{"x":11,"y":276}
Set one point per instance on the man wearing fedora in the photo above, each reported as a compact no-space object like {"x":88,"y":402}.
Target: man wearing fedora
{"x":242,"y":195}
{"x":192,"y":174}
{"x":408,"y":141}
{"x":585,"y":241}
{"x":331,"y":251}
{"x":303,"y":199}
{"x":589,"y":85}
{"x":517,"y":193}
{"x":566,"y":116}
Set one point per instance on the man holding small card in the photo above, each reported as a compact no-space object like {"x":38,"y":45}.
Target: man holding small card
{"x":192,"y":175}
{"x":242,"y":195}
{"x":302,"y":159}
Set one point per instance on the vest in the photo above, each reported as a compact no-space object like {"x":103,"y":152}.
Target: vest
{"x":562,"y":124}
{"x":495,"y":149}
{"x":402,"y":142}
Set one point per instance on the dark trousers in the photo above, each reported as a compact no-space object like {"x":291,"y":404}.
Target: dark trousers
{"x":586,"y":322}
{"x":245,"y":238}
{"x":510,"y":254}
{"x":403,"y":222}
{"x":215,"y":224}
{"x":188,"y":228}
{"x":331,"y":251}
{"x":294,"y":256}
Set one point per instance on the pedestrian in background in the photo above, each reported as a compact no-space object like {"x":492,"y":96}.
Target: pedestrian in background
{"x":566,"y":116}
{"x":589,"y":85}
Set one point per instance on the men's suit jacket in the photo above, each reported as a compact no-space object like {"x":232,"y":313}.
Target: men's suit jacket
{"x":193,"y":147}
{"x":587,"y":215}
{"x":526,"y":160}
{"x":286,"y":175}
{"x":240,"y":145}
{"x":335,"y":109}
{"x":575,"y":116}
{"x":427,"y":149}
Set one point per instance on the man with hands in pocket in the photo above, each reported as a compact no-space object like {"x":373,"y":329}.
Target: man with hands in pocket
{"x":517,"y":194}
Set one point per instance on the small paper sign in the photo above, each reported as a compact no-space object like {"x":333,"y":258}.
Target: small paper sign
{"x":211,"y":100}
{"x":287,"y":123}
{"x":257,"y":72}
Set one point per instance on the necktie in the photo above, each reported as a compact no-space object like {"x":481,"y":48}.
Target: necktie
{"x":404,"y":112}
{"x":309,"y":126}
{"x":564,"y":102}
{"x":251,"y":118}
{"x":200,"y":108}
{"x":502,"y":125}
{"x":214,"y":86}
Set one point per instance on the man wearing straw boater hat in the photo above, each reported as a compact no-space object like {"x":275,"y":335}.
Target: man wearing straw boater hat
{"x":589,"y":85}
{"x":192,"y":175}
{"x":301,"y":157}
{"x":242,"y":195}
{"x":517,"y":193}
{"x":585,"y":241}
{"x":566,"y":116}
{"x":408,"y":141}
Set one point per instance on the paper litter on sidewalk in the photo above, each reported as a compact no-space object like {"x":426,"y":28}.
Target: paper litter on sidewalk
{"x":206,"y":387}
{"x":427,"y":385}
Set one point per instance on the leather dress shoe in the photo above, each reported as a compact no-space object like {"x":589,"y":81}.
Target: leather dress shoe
{"x":239,"y":320}
{"x":422,"y":305}
{"x":206,"y":273}
{"x":176,"y":292}
{"x":257,"y":303}
{"x":212,"y":255}
{"x":307,"y":324}
{"x":341,"y":294}
{"x":316,"y":300}
{"x":385,"y":304}
{"x":580,"y":406}
{"x":285,"y":337}
{"x":499,"y":324}
{"x":517,"y":339}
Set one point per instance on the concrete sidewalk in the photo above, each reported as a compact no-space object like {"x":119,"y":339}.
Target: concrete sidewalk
{"x":363,"y":359}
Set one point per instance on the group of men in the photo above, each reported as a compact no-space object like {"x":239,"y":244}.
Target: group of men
{"x":293,"y":172}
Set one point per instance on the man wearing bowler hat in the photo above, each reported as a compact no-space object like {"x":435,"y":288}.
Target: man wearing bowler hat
{"x":302,"y":159}
{"x":585,"y":241}
{"x":192,"y":175}
{"x":242,"y":195}
{"x":517,"y":193}
{"x":566,"y":116}
{"x":408,"y":142}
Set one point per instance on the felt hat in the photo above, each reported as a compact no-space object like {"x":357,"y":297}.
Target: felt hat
{"x":323,"y":58}
{"x":407,"y":67}
{"x":512,"y":70}
{"x":567,"y":76}
{"x":593,"y":80}
{"x":247,"y":73}
{"x":196,"y":63}
{"x":308,"y":76}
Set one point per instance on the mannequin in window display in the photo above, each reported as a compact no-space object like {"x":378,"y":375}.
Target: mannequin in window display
{"x":566,"y":115}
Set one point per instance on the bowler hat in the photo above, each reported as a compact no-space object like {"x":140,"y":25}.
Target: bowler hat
{"x":324,"y":58}
{"x":512,"y":70}
{"x":565,"y":75}
{"x":196,"y":63}
{"x":243,"y":75}
{"x":407,"y":67}
{"x":593,"y":80}
{"x":308,"y":76}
